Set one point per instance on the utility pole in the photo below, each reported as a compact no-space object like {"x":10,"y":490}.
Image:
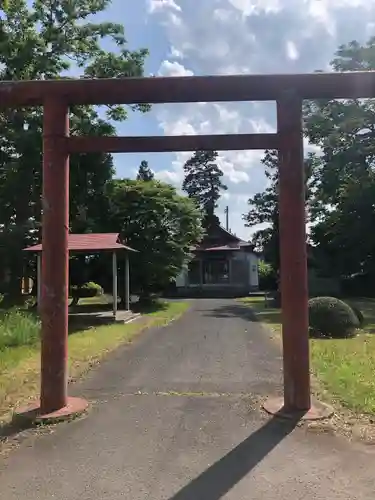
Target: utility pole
{"x":226,"y":211}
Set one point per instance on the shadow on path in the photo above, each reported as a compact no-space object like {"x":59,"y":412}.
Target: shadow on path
{"x":233,"y":310}
{"x":223,"y":475}
{"x":12,"y":429}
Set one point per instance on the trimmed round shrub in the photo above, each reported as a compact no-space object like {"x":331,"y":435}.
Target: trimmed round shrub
{"x":86,"y":290}
{"x":331,"y":317}
{"x":358,"y":313}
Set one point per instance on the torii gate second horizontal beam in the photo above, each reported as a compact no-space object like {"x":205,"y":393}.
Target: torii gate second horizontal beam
{"x":159,"y":144}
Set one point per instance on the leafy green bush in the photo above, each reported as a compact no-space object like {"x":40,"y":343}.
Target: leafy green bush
{"x":18,"y":328}
{"x":86,"y":290}
{"x":267,"y":276}
{"x":331,"y":317}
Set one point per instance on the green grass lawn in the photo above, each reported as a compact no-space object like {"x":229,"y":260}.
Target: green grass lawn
{"x":344,"y":367}
{"x":20,"y":360}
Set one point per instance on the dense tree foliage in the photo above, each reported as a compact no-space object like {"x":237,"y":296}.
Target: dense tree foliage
{"x":203,"y":183}
{"x":341,"y":180}
{"x":343,"y":213}
{"x":159,"y":223}
{"x":49,"y":39}
{"x":264,"y":210}
{"x":42,"y":40}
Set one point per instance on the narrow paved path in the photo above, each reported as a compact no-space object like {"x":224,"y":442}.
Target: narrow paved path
{"x":176,"y":417}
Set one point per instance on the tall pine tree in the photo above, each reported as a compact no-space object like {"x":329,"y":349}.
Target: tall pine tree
{"x":144,"y":172}
{"x":203,"y":183}
{"x":264,"y":208}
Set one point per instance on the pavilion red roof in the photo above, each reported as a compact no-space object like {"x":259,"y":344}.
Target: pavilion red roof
{"x":90,"y":242}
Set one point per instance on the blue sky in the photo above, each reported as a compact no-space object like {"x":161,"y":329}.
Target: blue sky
{"x":141,"y":31}
{"x":200,"y":37}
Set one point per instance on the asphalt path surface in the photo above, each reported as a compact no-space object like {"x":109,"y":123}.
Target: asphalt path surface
{"x":177,"y":416}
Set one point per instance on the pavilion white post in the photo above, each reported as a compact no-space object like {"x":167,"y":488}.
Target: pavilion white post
{"x":127,"y":282}
{"x":39,"y":280}
{"x":114,"y":276}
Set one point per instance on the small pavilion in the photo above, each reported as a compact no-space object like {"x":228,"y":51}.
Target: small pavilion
{"x":89,"y":244}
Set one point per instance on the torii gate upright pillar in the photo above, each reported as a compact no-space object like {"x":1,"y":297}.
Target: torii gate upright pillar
{"x":54,"y":403}
{"x":293,"y":263}
{"x":55,"y":256}
{"x":293,"y":258}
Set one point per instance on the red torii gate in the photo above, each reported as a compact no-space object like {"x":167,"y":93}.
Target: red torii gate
{"x":287,"y":90}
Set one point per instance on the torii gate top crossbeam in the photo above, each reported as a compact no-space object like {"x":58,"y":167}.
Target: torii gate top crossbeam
{"x":188,"y":89}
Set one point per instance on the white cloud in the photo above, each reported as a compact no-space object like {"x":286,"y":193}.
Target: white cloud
{"x":260,"y":126}
{"x":291,"y":50}
{"x":175,"y":20}
{"x":310,"y":148}
{"x":248,"y":7}
{"x":157,"y":5}
{"x":325,"y":11}
{"x":175,"y":174}
{"x":169,"y":68}
{"x":248,"y":36}
{"x":181,"y":126}
{"x":320,"y":12}
{"x":222,"y":15}
{"x":232,"y":171}
{"x":175,"y":53}
{"x":170,"y":176}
